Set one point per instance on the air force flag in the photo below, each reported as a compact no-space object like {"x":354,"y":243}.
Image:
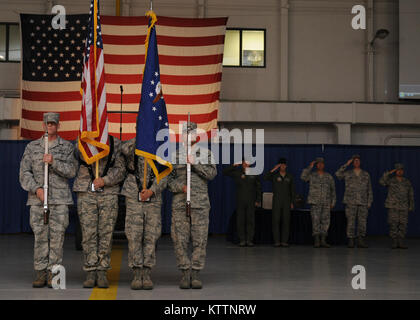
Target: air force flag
{"x":152,"y":116}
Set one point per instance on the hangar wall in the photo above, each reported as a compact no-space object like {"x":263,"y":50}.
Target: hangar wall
{"x":312,"y":55}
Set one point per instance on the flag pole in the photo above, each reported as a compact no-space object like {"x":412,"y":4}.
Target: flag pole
{"x":144,"y":174}
{"x":144,"y":159}
{"x":117,"y":7}
{"x":95,"y":23}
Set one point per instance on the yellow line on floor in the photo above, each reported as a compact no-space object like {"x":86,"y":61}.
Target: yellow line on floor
{"x":113,"y":277}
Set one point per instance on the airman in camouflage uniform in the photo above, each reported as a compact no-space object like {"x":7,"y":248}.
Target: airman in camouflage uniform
{"x":321,"y":198}
{"x":248,"y":195}
{"x":358,"y":198}
{"x":143,"y":218}
{"x":98,"y":211}
{"x":399,"y":202}
{"x":49,"y":238}
{"x":195,"y":226}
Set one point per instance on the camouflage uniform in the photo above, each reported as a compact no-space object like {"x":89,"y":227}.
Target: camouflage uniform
{"x":98,"y":211}
{"x":143,"y":219}
{"x":321,"y":198}
{"x":49,"y":239}
{"x":197,"y":225}
{"x":358,"y":198}
{"x":399,"y":202}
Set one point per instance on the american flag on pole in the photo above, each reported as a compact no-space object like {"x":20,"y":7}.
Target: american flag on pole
{"x":190,"y":57}
{"x":52,"y":66}
{"x":93,"y":136}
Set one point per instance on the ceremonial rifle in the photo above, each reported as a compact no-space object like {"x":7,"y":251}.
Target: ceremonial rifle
{"x":188,"y":203}
{"x":46,"y":209}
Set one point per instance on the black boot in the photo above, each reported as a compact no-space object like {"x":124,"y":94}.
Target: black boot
{"x":350,"y":243}
{"x":324,"y":243}
{"x":317,"y":243}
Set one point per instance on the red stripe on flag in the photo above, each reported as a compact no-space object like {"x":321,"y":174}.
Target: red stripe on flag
{"x":128,"y":98}
{"x":164,"y":59}
{"x":51,"y":96}
{"x":38,"y":115}
{"x":34,"y":134}
{"x":192,"y":99}
{"x":190,"y":41}
{"x":172,"y":118}
{"x":123,"y":40}
{"x":123,"y":78}
{"x":169,"y":99}
{"x":191,"y":80}
{"x":197,"y":118}
{"x":165,"y":40}
{"x":165,"y":79}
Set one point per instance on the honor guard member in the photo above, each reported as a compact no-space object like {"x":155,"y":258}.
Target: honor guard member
{"x":196,"y":225}
{"x":143,"y":216}
{"x":62,"y":166}
{"x":248,"y":195}
{"x":322,"y":199}
{"x":399,"y":202}
{"x":358,"y":198}
{"x":97,"y":206}
{"x":283,"y":196}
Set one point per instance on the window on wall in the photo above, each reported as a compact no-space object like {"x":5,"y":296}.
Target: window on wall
{"x":244,"y":48}
{"x":9,"y":42}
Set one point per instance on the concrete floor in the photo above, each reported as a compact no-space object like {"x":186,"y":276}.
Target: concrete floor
{"x":262,"y":272}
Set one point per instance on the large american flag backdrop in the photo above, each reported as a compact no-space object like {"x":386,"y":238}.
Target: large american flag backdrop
{"x":190,"y":54}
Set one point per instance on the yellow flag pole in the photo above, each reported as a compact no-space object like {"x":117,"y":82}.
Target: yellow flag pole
{"x":97,"y":169}
{"x":144,"y":174}
{"x":118,"y":8}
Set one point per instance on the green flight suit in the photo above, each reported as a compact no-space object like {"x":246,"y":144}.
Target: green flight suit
{"x":283,"y":197}
{"x":248,"y":192}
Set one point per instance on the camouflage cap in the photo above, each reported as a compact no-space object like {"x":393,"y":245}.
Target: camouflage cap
{"x":51,"y":117}
{"x":399,"y":166}
{"x":319,"y":159}
{"x":356,"y":156}
{"x":193,"y":126}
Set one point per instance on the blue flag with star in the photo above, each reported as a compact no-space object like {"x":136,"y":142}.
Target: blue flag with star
{"x":152,"y":117}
